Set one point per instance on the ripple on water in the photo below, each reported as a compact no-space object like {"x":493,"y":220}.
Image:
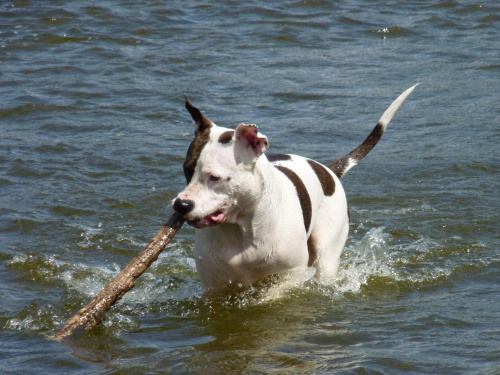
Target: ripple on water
{"x":370,"y":268}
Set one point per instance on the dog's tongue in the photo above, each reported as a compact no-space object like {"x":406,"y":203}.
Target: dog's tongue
{"x":209,"y":220}
{"x":217,"y":217}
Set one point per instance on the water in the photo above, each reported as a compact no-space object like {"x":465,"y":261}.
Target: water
{"x":93,"y":134}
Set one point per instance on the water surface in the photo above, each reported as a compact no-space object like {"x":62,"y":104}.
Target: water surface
{"x":93,"y":132}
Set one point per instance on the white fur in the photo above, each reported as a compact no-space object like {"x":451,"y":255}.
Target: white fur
{"x":389,"y":112}
{"x":264,"y":231}
{"x":248,"y":214}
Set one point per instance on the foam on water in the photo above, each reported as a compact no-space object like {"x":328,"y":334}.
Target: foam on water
{"x":34,"y":318}
{"x":172,"y":276}
{"x":366,"y":258}
{"x":88,"y":234}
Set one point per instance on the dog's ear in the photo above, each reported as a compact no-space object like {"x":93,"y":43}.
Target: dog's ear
{"x":249,"y":144}
{"x":202,"y":123}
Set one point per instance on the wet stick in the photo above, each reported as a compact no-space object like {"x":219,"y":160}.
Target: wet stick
{"x":92,"y":314}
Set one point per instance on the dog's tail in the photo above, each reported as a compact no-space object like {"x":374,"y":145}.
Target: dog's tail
{"x":341,"y":166}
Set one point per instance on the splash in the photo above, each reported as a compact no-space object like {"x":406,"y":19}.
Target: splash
{"x":369,"y":257}
{"x":34,"y":318}
{"x":90,"y":236}
{"x":169,"y":281}
{"x":377,"y":263}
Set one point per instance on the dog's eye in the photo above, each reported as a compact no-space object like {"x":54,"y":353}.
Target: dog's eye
{"x":213,"y":178}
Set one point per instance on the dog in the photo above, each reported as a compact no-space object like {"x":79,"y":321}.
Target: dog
{"x":259,"y":214}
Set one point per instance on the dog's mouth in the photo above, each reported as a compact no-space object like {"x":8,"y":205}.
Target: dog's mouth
{"x":215,"y":218}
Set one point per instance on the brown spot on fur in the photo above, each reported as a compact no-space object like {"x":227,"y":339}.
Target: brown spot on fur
{"x":278,"y":157}
{"x":226,"y":137}
{"x":325,"y":178}
{"x":193,"y":153}
{"x":201,"y":137}
{"x":339,"y":166}
{"x":312,"y":248}
{"x":304,"y":199}
{"x":202,"y":123}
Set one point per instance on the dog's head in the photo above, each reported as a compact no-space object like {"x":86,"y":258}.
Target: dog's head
{"x":220,"y":172}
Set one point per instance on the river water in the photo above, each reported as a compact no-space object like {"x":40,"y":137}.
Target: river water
{"x":93,"y":132}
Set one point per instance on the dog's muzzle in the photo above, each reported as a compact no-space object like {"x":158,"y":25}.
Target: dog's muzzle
{"x":183,"y":206}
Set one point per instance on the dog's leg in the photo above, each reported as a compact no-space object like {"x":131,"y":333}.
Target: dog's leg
{"x":288,"y":282}
{"x":328,"y":237}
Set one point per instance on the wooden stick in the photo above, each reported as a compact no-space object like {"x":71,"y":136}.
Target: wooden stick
{"x":92,"y":314}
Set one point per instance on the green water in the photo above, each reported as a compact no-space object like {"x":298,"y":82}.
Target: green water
{"x":93,"y":132}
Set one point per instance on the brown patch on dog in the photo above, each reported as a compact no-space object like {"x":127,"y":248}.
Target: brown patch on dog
{"x":193,"y":153}
{"x":202,"y":123}
{"x":278,"y":157}
{"x":226,"y":137}
{"x":312,"y":248}
{"x":304,"y":199}
{"x":325,"y":178}
{"x":339,"y":166}
{"x":201,"y":137}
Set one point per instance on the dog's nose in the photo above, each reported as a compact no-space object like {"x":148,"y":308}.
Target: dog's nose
{"x":183,"y":206}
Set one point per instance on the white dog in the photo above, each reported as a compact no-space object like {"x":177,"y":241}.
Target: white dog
{"x":258,"y":215}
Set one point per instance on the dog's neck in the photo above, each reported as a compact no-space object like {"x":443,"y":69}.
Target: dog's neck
{"x":258,"y":211}
{"x":270,"y":195}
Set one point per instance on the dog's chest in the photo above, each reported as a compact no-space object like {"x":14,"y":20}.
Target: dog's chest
{"x":225,"y":257}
